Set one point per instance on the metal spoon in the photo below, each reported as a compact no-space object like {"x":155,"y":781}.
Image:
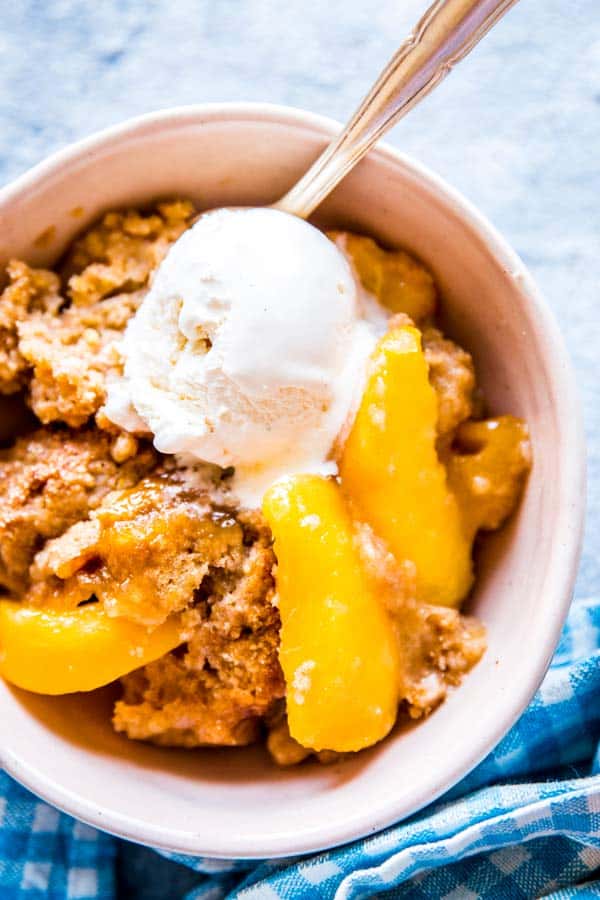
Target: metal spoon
{"x":443,"y":36}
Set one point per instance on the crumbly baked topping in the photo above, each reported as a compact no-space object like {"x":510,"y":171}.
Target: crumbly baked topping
{"x":50,"y":480}
{"x":59,"y":336}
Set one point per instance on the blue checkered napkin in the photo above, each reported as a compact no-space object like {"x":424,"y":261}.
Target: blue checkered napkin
{"x":45,"y":855}
{"x":525,"y":823}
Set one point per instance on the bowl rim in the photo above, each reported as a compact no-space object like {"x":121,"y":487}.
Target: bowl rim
{"x":367,"y":821}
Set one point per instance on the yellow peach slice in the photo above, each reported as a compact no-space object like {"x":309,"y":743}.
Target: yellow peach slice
{"x":338,"y":650}
{"x":398,"y":281}
{"x":487,"y":469}
{"x":391,"y":472}
{"x":63,"y":652}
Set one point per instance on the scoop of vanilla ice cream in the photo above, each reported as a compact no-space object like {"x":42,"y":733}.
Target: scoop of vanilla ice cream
{"x":249,"y":350}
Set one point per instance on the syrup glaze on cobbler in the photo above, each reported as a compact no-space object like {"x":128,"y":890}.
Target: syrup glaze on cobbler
{"x":92,"y":514}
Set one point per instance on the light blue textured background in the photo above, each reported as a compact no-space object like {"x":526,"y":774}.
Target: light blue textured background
{"x":516,"y":127}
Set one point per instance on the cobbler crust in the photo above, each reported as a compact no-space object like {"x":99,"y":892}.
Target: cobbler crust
{"x":59,"y":336}
{"x":50,"y":480}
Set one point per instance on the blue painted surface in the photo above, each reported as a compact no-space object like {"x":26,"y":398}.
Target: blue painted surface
{"x":516,"y":127}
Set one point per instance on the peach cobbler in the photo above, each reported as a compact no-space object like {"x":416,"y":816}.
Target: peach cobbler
{"x":249,"y":488}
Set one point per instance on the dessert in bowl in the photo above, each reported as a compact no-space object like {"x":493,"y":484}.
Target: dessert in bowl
{"x":148,"y":564}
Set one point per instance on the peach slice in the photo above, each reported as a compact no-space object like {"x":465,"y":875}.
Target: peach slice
{"x":63,"y":652}
{"x":487,"y":468}
{"x":392,"y":475}
{"x":338,"y":648}
{"x":398,"y":281}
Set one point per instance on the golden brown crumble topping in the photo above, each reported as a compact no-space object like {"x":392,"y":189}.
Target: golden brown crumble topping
{"x":218,"y":690}
{"x":120,"y":253}
{"x":72,"y":355}
{"x":49,"y":480}
{"x":159,"y":548}
{"x":64,"y":345}
{"x":29,"y":292}
{"x":452,"y":375}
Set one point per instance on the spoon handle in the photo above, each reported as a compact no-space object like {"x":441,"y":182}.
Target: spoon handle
{"x":444,"y":35}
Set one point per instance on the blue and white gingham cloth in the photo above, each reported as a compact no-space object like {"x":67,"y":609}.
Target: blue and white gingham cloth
{"x":525,"y":823}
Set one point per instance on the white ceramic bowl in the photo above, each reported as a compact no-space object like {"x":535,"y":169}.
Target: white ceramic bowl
{"x":234,"y":803}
